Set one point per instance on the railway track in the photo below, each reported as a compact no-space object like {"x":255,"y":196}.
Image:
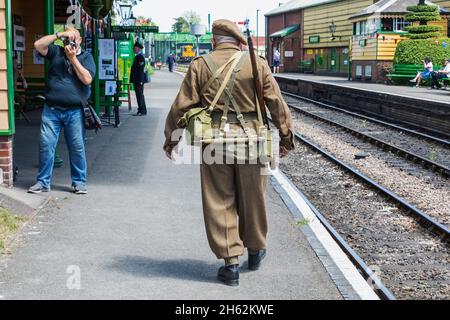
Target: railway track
{"x":413,"y":132}
{"x":426,"y":219}
{"x":427,"y":227}
{"x":371,"y":236}
{"x":401,"y":146}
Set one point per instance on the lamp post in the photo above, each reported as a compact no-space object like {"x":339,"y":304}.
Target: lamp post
{"x":332,"y":28}
{"x":125,"y":11}
{"x":257,"y":30}
{"x":132,"y":20}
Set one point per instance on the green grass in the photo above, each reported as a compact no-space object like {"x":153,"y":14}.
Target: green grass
{"x":303,"y":222}
{"x":9,"y":223}
{"x":433,"y":155}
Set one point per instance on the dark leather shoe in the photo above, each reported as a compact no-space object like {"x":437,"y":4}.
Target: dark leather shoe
{"x":229,"y":275}
{"x":254,"y":260}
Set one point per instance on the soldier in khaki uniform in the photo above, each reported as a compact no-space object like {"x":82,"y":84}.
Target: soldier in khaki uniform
{"x":232,"y":194}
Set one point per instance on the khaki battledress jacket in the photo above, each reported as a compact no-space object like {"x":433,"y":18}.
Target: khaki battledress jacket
{"x":244,"y":94}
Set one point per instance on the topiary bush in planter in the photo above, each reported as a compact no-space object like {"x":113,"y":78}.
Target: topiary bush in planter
{"x":423,"y":14}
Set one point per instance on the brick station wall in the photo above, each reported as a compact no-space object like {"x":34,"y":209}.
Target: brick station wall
{"x":430,"y":115}
{"x":292,"y":42}
{"x":6,"y":161}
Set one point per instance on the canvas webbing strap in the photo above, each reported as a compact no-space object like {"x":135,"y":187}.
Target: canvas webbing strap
{"x":229,"y":89}
{"x":215,"y":70}
{"x":233,"y":101}
{"x":225,"y":83}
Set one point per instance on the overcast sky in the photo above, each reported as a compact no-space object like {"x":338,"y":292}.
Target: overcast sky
{"x":163,"y":11}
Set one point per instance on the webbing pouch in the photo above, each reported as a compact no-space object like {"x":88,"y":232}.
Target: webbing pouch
{"x":198,"y":125}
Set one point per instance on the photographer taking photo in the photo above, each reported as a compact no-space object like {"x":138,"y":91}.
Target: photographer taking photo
{"x":70,"y":74}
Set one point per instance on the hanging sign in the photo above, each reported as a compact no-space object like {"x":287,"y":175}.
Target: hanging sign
{"x":142,"y":29}
{"x":289,"y":54}
{"x":314,"y":39}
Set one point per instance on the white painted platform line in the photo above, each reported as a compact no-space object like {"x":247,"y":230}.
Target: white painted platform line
{"x":352,"y":275}
{"x":180,"y":73}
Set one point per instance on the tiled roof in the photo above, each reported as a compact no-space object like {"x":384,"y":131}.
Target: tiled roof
{"x":296,"y":5}
{"x":390,"y":7}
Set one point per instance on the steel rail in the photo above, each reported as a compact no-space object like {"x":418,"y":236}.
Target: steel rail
{"x":427,"y":219}
{"x":380,"y":289}
{"x":426,"y":163}
{"x":388,"y":124}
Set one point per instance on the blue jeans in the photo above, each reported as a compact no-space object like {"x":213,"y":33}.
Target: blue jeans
{"x":53,"y":121}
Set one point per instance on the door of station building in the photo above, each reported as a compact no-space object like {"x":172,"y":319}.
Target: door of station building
{"x":333,"y":60}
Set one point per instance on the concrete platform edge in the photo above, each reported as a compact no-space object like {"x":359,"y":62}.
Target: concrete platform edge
{"x":361,"y":90}
{"x":351,"y":287}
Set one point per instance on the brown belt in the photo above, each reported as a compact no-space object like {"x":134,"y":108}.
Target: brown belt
{"x":232,"y":117}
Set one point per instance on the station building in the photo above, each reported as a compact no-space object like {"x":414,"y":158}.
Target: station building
{"x":377,"y":30}
{"x":313,"y":31}
{"x":354,"y":38}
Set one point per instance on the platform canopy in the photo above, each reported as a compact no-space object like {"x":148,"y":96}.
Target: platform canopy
{"x":285,"y":32}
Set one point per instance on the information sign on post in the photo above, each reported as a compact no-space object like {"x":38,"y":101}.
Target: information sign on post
{"x":124,"y":49}
{"x":107,"y":59}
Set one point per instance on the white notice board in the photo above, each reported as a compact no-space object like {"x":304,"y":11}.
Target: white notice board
{"x":107,"y":59}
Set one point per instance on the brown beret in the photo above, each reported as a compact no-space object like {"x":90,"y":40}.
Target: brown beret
{"x":228,"y":28}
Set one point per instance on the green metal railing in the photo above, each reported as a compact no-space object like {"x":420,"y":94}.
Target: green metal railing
{"x":10,"y":74}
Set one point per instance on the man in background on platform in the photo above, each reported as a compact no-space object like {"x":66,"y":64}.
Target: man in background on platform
{"x":137,"y":78}
{"x":171,"y":60}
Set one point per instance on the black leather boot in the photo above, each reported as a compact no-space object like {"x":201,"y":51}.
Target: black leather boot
{"x":254,"y":259}
{"x":229,"y":275}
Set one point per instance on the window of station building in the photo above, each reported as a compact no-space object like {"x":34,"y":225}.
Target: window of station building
{"x":359,"y":28}
{"x":358,"y":72}
{"x":400,"y":24}
{"x":368,"y":72}
{"x":394,"y":24}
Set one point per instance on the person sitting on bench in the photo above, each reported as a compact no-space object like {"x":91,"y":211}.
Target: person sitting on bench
{"x":428,"y":65}
{"x":440,"y":74}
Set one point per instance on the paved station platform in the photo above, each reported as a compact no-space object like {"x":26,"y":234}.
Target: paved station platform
{"x":139,"y":233}
{"x":423,"y":93}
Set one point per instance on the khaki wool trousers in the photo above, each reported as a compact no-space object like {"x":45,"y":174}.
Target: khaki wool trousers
{"x":234,"y":208}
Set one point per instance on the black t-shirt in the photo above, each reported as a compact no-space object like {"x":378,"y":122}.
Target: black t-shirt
{"x":63,"y":88}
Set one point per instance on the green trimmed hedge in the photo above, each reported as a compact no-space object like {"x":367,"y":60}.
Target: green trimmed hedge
{"x":422,"y":16}
{"x":422,"y":29}
{"x":414,"y":51}
{"x":427,"y":8}
{"x":427,"y":35}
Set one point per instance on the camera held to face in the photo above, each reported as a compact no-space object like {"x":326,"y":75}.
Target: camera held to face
{"x":68,"y":42}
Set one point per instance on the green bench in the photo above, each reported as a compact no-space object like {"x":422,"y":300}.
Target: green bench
{"x":403,"y":72}
{"x":306,"y":66}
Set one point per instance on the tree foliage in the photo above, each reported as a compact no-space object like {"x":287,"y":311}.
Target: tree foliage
{"x":180,"y":25}
{"x":192,"y":17}
{"x":183,"y":23}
